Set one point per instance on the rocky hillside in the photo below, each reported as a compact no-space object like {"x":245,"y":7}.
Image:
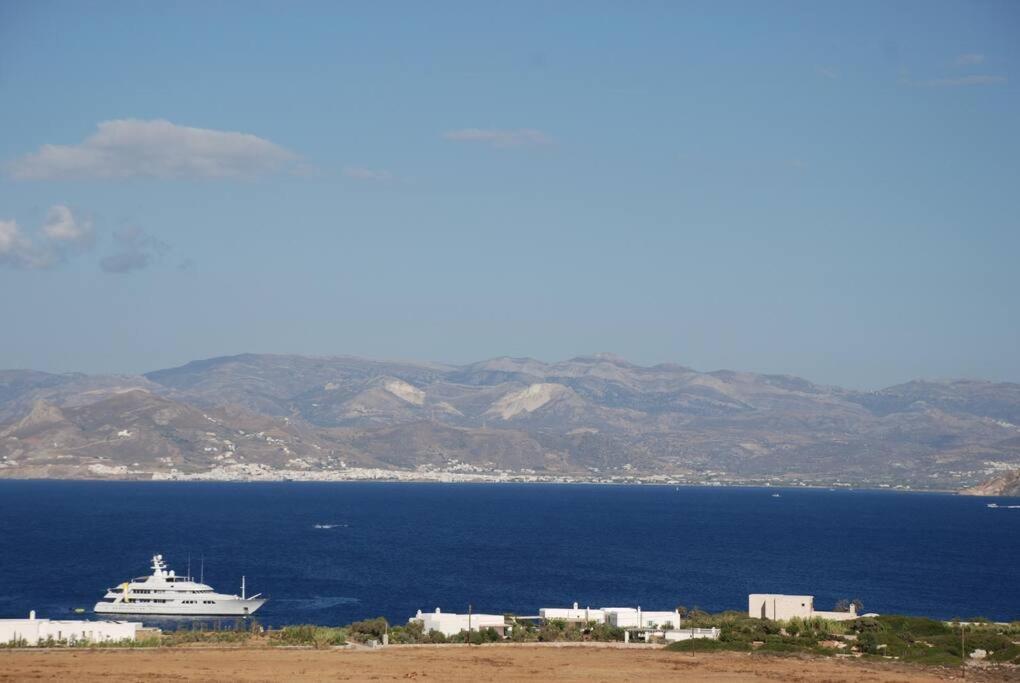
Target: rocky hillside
{"x":1005,"y":485}
{"x":594,"y":417}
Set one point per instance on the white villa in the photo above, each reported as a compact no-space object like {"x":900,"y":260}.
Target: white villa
{"x":575,"y":614}
{"x":33,"y":631}
{"x":450,"y":624}
{"x":634,"y":617}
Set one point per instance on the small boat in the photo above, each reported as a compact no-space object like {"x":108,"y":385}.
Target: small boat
{"x":776,"y":495}
{"x":164,"y":593}
{"x":992,"y":505}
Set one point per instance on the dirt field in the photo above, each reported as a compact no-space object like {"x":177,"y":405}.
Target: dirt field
{"x":503,"y":663}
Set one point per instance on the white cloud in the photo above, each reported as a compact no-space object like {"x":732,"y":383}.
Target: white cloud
{"x":126,"y":148}
{"x":969,"y":59}
{"x":827,"y":72}
{"x":60,"y":234}
{"x":500,"y":138}
{"x":62,"y":228}
{"x":17,"y":250}
{"x":961,"y":81}
{"x":135,"y":250}
{"x":362,"y":173}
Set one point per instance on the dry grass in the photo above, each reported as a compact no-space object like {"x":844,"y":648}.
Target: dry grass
{"x":450,"y":663}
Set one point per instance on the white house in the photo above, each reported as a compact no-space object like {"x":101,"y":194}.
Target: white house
{"x":575,"y":614}
{"x":779,"y":607}
{"x":37,"y":631}
{"x":631,"y":617}
{"x":450,"y":624}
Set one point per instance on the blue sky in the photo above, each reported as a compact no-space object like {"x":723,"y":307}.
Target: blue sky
{"x":830,"y":190}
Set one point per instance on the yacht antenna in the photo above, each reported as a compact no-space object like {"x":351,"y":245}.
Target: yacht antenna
{"x":202,"y":580}
{"x":242,"y":586}
{"x":189,"y":566}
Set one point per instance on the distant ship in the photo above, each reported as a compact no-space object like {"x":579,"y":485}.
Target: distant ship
{"x":166,"y":594}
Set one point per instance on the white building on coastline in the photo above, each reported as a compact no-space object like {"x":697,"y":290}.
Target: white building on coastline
{"x":635,"y":617}
{"x":32,"y":631}
{"x":575,"y":614}
{"x":778,"y":607}
{"x":450,"y":624}
{"x":621,"y":617}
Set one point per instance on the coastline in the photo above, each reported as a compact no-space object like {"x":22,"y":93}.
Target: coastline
{"x":267,"y":475}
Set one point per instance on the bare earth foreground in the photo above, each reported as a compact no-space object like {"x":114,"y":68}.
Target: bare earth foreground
{"x":448,"y":663}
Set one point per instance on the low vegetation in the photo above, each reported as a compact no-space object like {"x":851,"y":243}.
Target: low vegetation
{"x":910,"y":639}
{"x":306,"y":635}
{"x":519,"y":631}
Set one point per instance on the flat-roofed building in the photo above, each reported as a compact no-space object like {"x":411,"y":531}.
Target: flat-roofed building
{"x":33,"y":631}
{"x":575,"y":614}
{"x":450,"y":624}
{"x":779,"y":607}
{"x":635,"y":617}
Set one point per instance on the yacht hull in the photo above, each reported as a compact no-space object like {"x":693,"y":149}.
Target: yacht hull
{"x":223,"y":608}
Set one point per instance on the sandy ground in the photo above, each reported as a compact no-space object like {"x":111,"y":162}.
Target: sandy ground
{"x":503,"y":663}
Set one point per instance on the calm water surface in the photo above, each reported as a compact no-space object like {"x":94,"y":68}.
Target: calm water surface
{"x":397,"y":548}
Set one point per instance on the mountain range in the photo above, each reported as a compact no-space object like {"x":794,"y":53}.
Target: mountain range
{"x":591,"y":418}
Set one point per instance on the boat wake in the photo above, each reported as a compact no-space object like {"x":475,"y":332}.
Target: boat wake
{"x":317,"y":602}
{"x":330,"y":526}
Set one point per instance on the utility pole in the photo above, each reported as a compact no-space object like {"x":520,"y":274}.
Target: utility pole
{"x":963,"y":651}
{"x":469,"y":624}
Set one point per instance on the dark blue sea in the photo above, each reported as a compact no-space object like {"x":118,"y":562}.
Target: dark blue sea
{"x":396,"y":548}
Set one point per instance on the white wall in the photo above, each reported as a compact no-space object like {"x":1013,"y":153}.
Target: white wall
{"x":838,"y":616}
{"x":782,"y":607}
{"x":582,"y":614}
{"x":36,"y":631}
{"x":450,"y":624}
{"x":690,"y":634}
{"x":779,"y":607}
{"x":630,"y":617}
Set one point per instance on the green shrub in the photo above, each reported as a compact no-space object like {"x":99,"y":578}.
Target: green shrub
{"x":369,"y":629}
{"x":605,"y":633}
{"x":781,"y":645}
{"x":308,"y":635}
{"x":867,"y":624}
{"x":868,"y":642}
{"x":485,"y":635}
{"x":918,"y":626}
{"x":410,"y":633}
{"x":523,"y":631}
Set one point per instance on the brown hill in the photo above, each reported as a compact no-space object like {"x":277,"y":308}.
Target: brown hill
{"x":1005,"y":485}
{"x":594,"y":417}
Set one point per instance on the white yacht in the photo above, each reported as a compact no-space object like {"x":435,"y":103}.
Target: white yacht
{"x":166,"y":594}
